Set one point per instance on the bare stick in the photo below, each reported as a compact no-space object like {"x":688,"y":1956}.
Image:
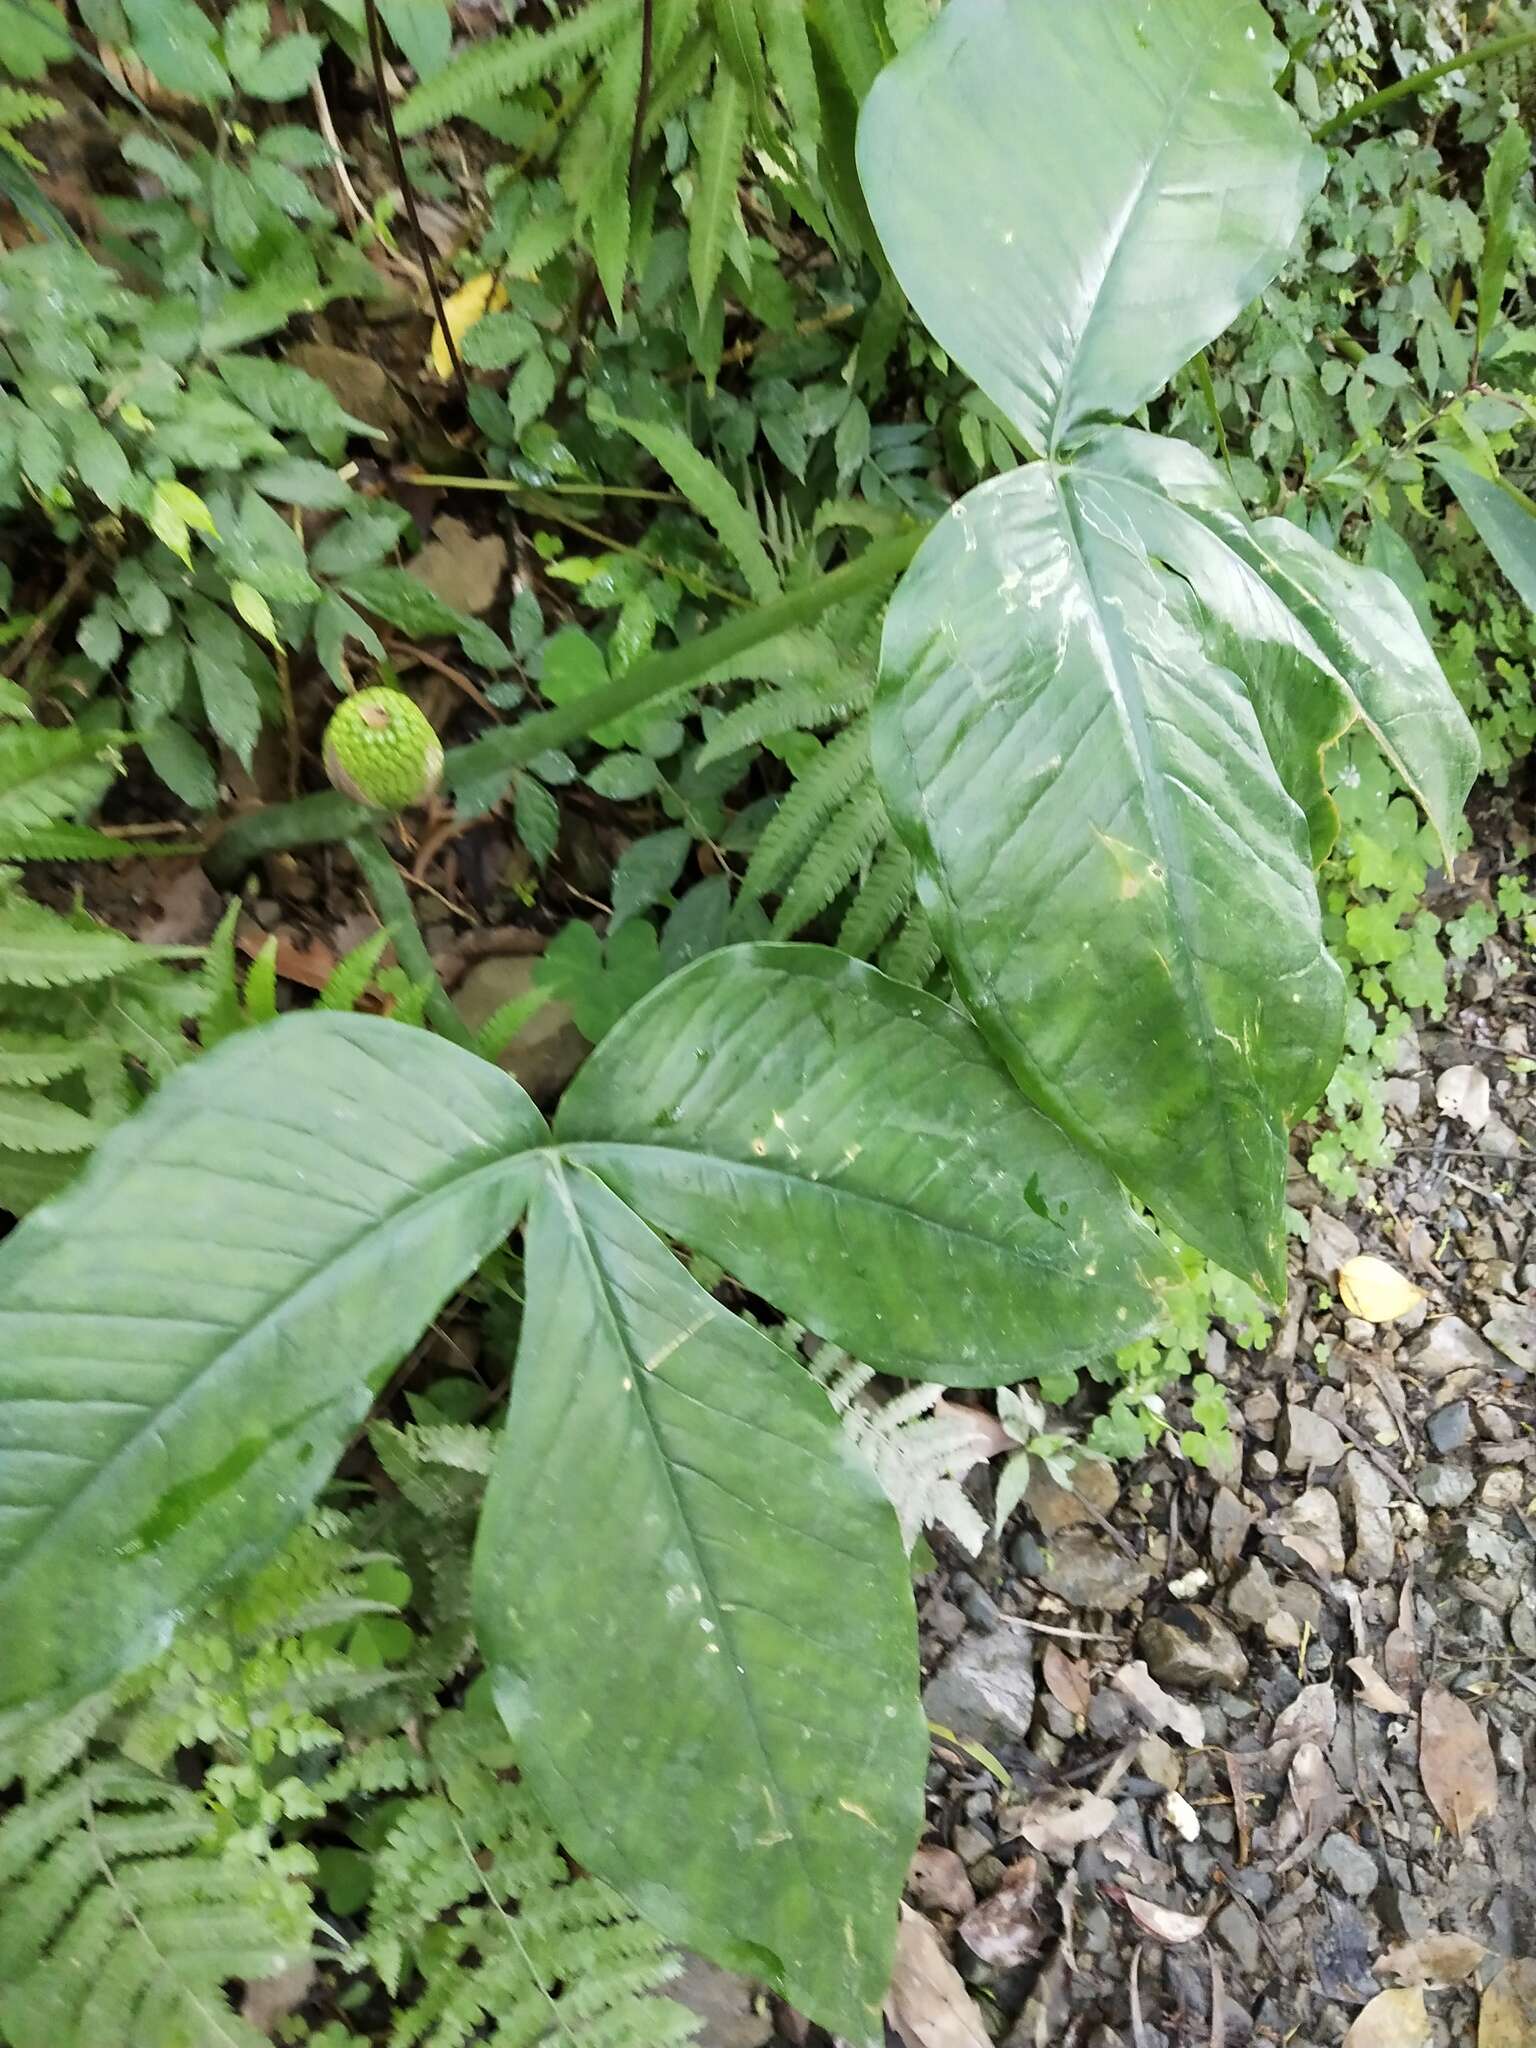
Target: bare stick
{"x":407,"y":193}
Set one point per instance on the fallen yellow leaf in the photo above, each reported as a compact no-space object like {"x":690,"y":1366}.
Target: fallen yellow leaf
{"x":1375,"y":1291}
{"x":1394,"y":2019}
{"x":471,"y":302}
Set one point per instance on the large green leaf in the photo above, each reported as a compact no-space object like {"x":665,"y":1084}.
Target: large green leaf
{"x":696,"y":1611}
{"x":1113,"y":865}
{"x":1504,"y":518}
{"x":1076,"y":197}
{"x":189,"y":1334}
{"x":849,"y":1148}
{"x":1359,"y":652}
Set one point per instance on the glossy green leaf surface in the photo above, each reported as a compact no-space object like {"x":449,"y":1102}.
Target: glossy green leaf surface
{"x":820,"y":1129}
{"x":1077,"y":197}
{"x":1503,"y":516}
{"x":187,"y":1336}
{"x":1363,"y":654}
{"x":1115,"y":870}
{"x":717,"y":1705}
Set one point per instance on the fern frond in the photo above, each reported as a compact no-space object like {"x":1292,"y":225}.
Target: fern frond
{"x":505,"y":64}
{"x":710,"y":493}
{"x":918,"y":1457}
{"x":841,"y":849}
{"x":804,"y":705}
{"x":41,"y":950}
{"x":348,"y":982}
{"x":19,"y":109}
{"x":475,"y":1909}
{"x":722,"y":139}
{"x":30,"y":1122}
{"x":913,"y":953}
{"x":884,"y":895}
{"x":47,"y":773}
{"x":123,"y":1918}
{"x":793,"y":829}
{"x":437,"y":1466}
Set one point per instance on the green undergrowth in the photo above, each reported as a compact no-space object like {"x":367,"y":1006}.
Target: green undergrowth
{"x":695,"y":386}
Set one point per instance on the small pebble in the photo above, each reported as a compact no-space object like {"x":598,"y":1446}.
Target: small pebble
{"x":1353,"y":1869}
{"x":1445,"y":1486}
{"x":1450,"y":1428}
{"x":1504,"y":1489}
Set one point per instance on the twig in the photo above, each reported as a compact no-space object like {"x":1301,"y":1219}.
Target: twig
{"x":346,"y":191}
{"x":77,"y":574}
{"x":408,"y":194}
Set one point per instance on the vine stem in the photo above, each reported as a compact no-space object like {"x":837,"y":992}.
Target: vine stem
{"x":392,"y":900}
{"x":1405,"y":88}
{"x":314,"y":820}
{"x":407,"y":191}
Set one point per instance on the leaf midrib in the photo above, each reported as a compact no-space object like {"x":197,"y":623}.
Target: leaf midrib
{"x":453,"y":1182}
{"x":639,"y":1373}
{"x":1121,"y":235}
{"x":1182,"y":918}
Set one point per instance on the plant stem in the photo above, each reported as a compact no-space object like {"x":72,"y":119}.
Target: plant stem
{"x":314,"y":820}
{"x":311,"y":821}
{"x":662,"y":675}
{"x":407,"y":191}
{"x":391,"y":899}
{"x":507,"y":484}
{"x":1486,"y":53}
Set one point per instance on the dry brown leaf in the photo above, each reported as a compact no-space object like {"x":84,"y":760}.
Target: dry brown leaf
{"x":1376,"y":1291}
{"x":1066,"y":1680}
{"x":1061,"y":1821}
{"x":1314,"y":1789}
{"x":1394,"y":2019}
{"x":463,"y":568}
{"x":1159,"y":1708}
{"x":1009,"y":1928}
{"x":928,"y":2004}
{"x":1456,"y":1762}
{"x":1312,"y":1716}
{"x":1434,"y":1961}
{"x":1374,"y":1689}
{"x":937,"y":1880}
{"x":268,"y":2001}
{"x":1401,"y":1655}
{"x":1163,"y":1923}
{"x":1508,"y":2017}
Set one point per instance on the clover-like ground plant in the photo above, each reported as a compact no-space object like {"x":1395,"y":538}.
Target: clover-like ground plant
{"x":1104,"y":703}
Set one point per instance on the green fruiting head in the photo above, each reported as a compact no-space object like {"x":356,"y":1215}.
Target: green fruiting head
{"x":380,"y":749}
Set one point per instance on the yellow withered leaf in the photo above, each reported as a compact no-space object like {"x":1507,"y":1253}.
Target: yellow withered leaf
{"x":471,"y":302}
{"x":1376,"y":1291}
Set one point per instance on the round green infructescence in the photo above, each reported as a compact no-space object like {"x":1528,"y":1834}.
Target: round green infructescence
{"x":381,"y":749}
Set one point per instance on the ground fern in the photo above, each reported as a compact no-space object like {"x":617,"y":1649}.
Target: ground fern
{"x":124,"y":1915}
{"x":479,"y":1929}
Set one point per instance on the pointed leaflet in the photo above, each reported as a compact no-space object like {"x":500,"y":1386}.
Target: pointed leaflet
{"x":849,"y":1148}
{"x":187,"y":1337}
{"x":1504,"y":519}
{"x":722,"y":138}
{"x":1077,"y":198}
{"x":1111,"y":863}
{"x":722,"y":1718}
{"x":1364,"y":654}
